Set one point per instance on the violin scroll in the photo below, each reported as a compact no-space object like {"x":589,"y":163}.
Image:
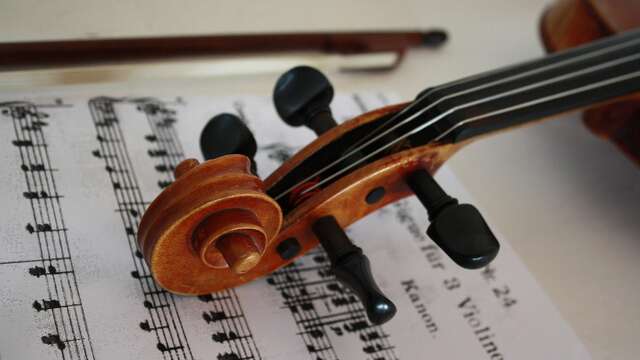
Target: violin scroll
{"x":219,"y":226}
{"x":213,"y":221}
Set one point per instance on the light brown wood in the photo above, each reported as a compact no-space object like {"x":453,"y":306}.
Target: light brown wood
{"x":569,"y":23}
{"x":328,"y":137}
{"x":213,"y":223}
{"x":199,"y":236}
{"x":214,"y":228}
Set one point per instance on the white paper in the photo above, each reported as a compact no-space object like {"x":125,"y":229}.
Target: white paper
{"x":77,"y":174}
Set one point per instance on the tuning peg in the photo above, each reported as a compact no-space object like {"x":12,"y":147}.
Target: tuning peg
{"x":351,"y":268}
{"x":459,"y":229}
{"x":227,"y":134}
{"x":302,"y":96}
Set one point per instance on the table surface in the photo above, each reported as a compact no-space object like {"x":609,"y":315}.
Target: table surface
{"x":568,"y":202}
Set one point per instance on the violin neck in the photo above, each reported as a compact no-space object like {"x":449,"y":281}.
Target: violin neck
{"x":562,"y":82}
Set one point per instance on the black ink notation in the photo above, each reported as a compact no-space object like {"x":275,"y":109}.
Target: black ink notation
{"x":54,"y":340}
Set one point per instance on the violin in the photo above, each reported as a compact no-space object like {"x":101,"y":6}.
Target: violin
{"x":219,"y":225}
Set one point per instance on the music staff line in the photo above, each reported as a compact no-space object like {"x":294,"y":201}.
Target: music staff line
{"x":232,"y":322}
{"x":46,"y":209}
{"x":301,"y":295}
{"x":170,"y":340}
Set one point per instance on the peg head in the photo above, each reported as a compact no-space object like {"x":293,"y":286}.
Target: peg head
{"x":227,"y":134}
{"x":302,"y":93}
{"x":462,"y":233}
{"x":459,"y":229}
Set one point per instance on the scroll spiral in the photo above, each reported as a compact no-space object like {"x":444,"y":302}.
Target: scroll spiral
{"x":213,"y":222}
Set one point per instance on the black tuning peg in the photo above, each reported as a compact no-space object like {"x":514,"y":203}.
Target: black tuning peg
{"x":302,"y":96}
{"x":351,"y":268}
{"x":227,"y":134}
{"x":458,"y":229}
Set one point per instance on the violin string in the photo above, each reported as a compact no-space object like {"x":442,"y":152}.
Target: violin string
{"x":429,"y":106}
{"x":603,"y":51}
{"x":534,"y":71}
{"x":515,"y":107}
{"x":542,"y":100}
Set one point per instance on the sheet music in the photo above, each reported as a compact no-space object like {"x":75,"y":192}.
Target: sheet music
{"x":78,"y":172}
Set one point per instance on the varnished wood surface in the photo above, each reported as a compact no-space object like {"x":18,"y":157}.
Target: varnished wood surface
{"x":74,"y":52}
{"x":326,"y":138}
{"x":618,"y":122}
{"x":214,"y":202}
{"x":569,"y":23}
{"x":343,"y":199}
{"x":166,"y":234}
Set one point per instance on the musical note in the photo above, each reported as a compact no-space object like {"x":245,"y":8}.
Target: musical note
{"x":22,"y":143}
{"x":38,"y":228}
{"x":162,"y":168}
{"x":38,"y":271}
{"x":30,"y":195}
{"x":136,"y":275}
{"x":343,"y":301}
{"x":373,"y":348}
{"x":336,"y":330}
{"x":356,"y":326}
{"x":157,"y":152}
{"x":33,"y":167}
{"x":150,"y":305}
{"x":374,"y":335}
{"x":213,"y":316}
{"x":43,"y":227}
{"x":228,"y":356}
{"x":53,"y":339}
{"x":145,"y":326}
{"x":221,"y":337}
{"x":46,"y":305}
{"x":334,"y":287}
{"x":163,"y":348}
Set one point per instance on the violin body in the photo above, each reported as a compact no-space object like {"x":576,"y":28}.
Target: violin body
{"x":570,"y":23}
{"x":219,"y":225}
